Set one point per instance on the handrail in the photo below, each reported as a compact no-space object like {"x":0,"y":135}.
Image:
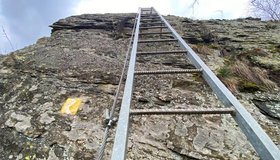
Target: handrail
{"x":120,"y":143}
{"x":101,"y":151}
{"x":264,"y":146}
{"x":258,"y":138}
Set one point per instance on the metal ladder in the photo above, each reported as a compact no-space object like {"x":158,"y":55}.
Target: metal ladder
{"x":149,"y":18}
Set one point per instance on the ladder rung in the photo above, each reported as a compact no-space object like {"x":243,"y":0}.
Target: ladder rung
{"x":183,"y":111}
{"x":152,"y":23}
{"x":150,"y":19}
{"x":162,"y":52}
{"x":153,"y":27}
{"x":143,"y":11}
{"x":157,"y":40}
{"x":149,"y":15}
{"x":168,"y":71}
{"x":148,"y":33}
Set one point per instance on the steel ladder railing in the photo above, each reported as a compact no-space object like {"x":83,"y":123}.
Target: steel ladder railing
{"x":255,"y":134}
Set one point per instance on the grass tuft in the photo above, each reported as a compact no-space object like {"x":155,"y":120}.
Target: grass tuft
{"x":224,"y":72}
{"x":231,"y":83}
{"x":202,"y":49}
{"x":245,"y":78}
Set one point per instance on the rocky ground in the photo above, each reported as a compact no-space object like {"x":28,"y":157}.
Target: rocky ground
{"x":84,"y":58}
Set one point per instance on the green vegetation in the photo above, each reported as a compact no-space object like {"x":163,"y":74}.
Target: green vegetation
{"x":246,"y":86}
{"x":202,"y":49}
{"x":242,"y":73}
{"x":270,"y":26}
{"x":224,"y":72}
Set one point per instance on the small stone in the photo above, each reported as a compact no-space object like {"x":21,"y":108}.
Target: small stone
{"x":84,"y":118}
{"x":142,"y":99}
{"x":5,"y":71}
{"x":164,"y":98}
{"x":66,"y":49}
{"x":33,"y":88}
{"x":80,"y":141}
{"x":37,"y":95}
{"x":63,"y":91}
{"x":52,"y":155}
{"x":20,"y":156}
{"x":35,"y":100}
{"x":20,"y":122}
{"x":201,"y":139}
{"x":48,"y":104}
{"x":46,"y":119}
{"x":13,"y":99}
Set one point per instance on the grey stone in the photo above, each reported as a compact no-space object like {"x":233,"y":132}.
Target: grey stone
{"x":201,"y":139}
{"x":52,"y":155}
{"x":20,"y":122}
{"x":269,"y":104}
{"x":33,"y":88}
{"x":46,"y":119}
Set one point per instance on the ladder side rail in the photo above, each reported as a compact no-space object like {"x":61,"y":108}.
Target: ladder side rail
{"x":120,"y":143}
{"x":262,"y":143}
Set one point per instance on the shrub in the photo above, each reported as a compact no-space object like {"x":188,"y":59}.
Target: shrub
{"x":207,"y":35}
{"x":224,"y":72}
{"x":226,"y":77}
{"x":201,"y":49}
{"x":245,"y":86}
{"x":245,"y":78}
{"x":270,"y":26}
{"x":253,"y":74}
{"x":231,"y":83}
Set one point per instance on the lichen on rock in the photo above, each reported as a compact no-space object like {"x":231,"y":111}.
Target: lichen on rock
{"x":84,"y":56}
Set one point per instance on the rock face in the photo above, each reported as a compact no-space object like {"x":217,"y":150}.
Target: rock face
{"x":84,"y":58}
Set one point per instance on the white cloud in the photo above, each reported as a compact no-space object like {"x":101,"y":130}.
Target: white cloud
{"x":228,"y":9}
{"x":205,"y":9}
{"x":121,"y":6}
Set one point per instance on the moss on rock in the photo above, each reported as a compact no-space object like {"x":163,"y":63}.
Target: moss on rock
{"x":251,"y":87}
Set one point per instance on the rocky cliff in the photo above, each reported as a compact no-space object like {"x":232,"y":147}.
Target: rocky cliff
{"x":83,"y":58}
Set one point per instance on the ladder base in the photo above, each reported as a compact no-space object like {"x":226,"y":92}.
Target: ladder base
{"x":153,"y":27}
{"x":182,"y":111}
{"x":162,"y":52}
{"x":150,"y":33}
{"x":158,"y":40}
{"x":168,"y":71}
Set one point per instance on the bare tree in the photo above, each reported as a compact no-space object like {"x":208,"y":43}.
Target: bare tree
{"x":13,"y":57}
{"x":6,"y":36}
{"x":266,"y":9}
{"x":193,"y":5}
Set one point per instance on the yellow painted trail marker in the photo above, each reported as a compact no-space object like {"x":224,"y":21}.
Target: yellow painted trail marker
{"x":71,"y":106}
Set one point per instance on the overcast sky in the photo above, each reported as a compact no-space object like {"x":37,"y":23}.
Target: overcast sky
{"x":24,"y":21}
